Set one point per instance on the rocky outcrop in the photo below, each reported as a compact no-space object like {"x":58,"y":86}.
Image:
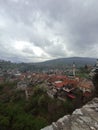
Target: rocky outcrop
{"x":85,"y":118}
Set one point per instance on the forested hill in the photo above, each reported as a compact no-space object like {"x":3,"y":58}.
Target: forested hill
{"x":77,"y":60}
{"x":58,"y":63}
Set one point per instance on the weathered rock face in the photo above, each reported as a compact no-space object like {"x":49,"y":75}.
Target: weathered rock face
{"x":85,"y":118}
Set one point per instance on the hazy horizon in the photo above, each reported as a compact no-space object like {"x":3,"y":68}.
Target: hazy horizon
{"x":48,"y":60}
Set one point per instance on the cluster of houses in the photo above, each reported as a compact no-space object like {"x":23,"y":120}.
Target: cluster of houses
{"x":57,"y":85}
{"x":65,"y":87}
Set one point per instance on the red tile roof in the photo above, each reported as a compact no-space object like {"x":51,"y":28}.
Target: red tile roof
{"x":87,"y":94}
{"x":86,"y":84}
{"x":71,"y":96}
{"x":59,"y":85}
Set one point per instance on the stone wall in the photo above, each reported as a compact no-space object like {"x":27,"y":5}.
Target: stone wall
{"x":85,"y":118}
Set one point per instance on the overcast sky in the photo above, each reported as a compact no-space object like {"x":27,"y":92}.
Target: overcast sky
{"x":39,"y":30}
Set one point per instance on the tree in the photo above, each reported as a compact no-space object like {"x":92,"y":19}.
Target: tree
{"x":23,"y":122}
{"x":95,"y":81}
{"x":40,"y":122}
{"x":4,"y":122}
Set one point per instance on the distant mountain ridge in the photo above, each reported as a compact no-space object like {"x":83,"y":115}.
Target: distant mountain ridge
{"x":68,"y":61}
{"x":50,"y":64}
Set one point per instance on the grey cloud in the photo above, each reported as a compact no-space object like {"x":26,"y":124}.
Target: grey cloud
{"x":60,"y":28}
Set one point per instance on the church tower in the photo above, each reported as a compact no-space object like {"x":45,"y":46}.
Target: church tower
{"x":74,"y":69}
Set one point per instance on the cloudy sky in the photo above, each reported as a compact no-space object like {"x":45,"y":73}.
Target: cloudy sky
{"x":39,"y":30}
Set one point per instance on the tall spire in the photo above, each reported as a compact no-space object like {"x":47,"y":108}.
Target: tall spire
{"x":74,"y":69}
